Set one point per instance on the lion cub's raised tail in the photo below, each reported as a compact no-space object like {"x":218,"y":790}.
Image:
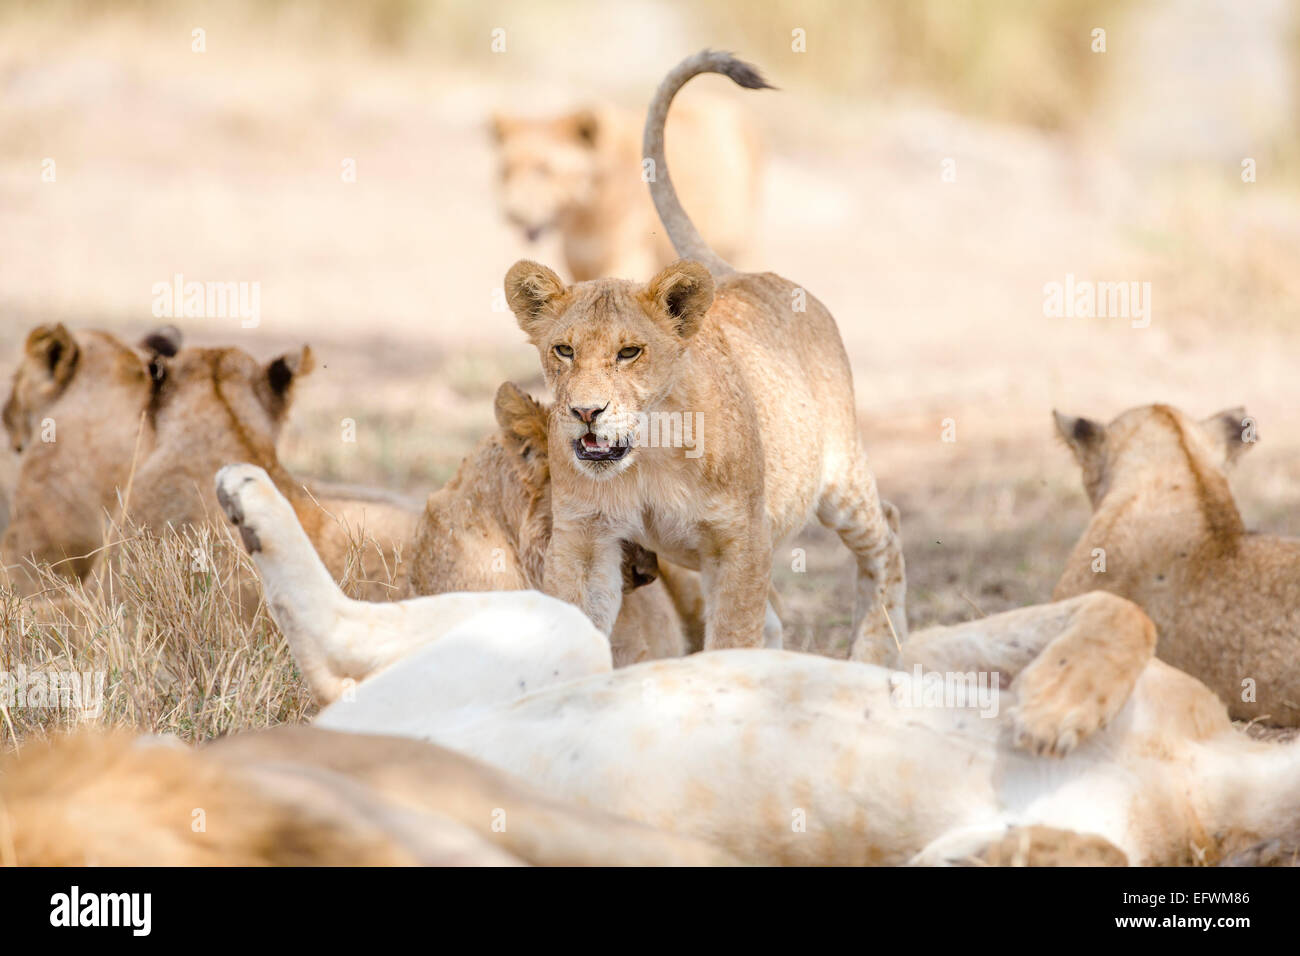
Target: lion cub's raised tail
{"x":686,"y":239}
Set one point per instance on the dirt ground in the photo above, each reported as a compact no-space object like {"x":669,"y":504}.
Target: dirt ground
{"x":226,"y":165}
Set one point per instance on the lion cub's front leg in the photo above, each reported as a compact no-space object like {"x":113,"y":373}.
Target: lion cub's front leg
{"x":584,"y":566}
{"x":737,"y":573}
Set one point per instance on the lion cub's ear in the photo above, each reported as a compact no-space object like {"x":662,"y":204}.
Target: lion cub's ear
{"x":55,"y":351}
{"x":531,"y":291}
{"x":523,"y":422}
{"x":582,"y":126}
{"x":500,"y":126}
{"x":640,"y":567}
{"x":1232,"y":431}
{"x":1085,"y":437}
{"x":282,"y":371}
{"x":279,"y":375}
{"x":682,"y":294}
{"x":165,"y":341}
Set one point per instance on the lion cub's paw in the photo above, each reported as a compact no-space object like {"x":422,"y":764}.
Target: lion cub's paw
{"x":1059,"y":703}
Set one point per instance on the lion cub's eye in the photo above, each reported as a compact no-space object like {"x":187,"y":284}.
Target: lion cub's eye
{"x":629,"y":352}
{"x":564,"y":351}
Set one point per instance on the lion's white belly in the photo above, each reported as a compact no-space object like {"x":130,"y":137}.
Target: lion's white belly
{"x":780,"y":757}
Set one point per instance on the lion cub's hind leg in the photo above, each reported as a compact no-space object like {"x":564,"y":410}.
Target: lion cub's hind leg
{"x":851,"y":507}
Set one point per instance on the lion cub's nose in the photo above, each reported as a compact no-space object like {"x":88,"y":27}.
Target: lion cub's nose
{"x":589,"y":413}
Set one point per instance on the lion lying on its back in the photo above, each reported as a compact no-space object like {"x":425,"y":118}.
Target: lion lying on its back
{"x":1166,"y":534}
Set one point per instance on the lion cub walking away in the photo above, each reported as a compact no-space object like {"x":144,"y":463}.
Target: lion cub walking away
{"x":581,"y":175}
{"x":1166,"y":534}
{"x":705,"y":415}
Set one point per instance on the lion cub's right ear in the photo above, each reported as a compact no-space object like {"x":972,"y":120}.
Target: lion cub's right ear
{"x":55,"y":351}
{"x":532,"y":290}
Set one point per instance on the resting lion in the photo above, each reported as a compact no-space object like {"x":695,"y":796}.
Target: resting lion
{"x":705,"y":415}
{"x":780,"y":757}
{"x":297,"y":796}
{"x":216,"y":405}
{"x":76,"y":417}
{"x":581,"y":175}
{"x":487,"y":530}
{"x":147,"y":428}
{"x":1166,"y":533}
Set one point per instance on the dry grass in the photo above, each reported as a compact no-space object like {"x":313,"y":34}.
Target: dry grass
{"x":174,"y":622}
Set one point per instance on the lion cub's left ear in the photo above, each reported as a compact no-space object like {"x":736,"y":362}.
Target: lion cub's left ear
{"x":523,"y":419}
{"x":523,"y":428}
{"x":1232,"y":431}
{"x":682,"y":293}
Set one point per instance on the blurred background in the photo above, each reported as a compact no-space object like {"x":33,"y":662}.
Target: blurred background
{"x":1123,"y":165}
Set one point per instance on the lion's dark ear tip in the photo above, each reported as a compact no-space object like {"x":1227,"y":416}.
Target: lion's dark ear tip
{"x":279,"y":374}
{"x":165,"y":341}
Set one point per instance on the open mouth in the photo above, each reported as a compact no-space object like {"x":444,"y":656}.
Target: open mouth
{"x":591,"y":448}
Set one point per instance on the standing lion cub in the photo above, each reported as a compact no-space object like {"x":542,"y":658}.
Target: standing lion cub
{"x":701,"y":416}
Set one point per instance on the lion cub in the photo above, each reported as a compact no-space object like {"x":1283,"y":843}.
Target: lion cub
{"x":1166,"y":534}
{"x":580,"y":175}
{"x":487,"y":529}
{"x":701,"y":416}
{"x":75,"y":416}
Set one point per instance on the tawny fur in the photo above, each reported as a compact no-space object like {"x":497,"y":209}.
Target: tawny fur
{"x":241,"y":405}
{"x":752,"y":363}
{"x":297,"y":796}
{"x":580,"y":175}
{"x":139,"y":434}
{"x":75,"y":417}
{"x":1226,"y":600}
{"x":487,"y":530}
{"x":796,"y":758}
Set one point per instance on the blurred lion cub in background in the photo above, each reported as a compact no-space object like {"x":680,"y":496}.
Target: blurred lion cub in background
{"x":580,"y":174}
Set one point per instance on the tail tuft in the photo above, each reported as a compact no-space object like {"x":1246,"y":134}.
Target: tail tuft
{"x":738,"y":71}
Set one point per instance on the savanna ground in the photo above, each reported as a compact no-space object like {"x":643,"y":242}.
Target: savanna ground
{"x":225,"y":165}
